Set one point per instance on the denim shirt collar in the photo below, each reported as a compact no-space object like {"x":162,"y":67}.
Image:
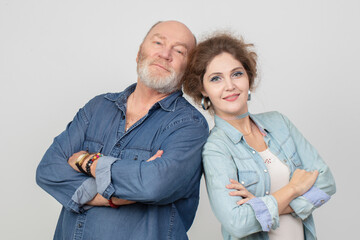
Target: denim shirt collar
{"x":234,"y":134}
{"x":167,"y":104}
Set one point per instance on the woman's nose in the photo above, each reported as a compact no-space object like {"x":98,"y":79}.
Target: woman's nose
{"x":229,"y":85}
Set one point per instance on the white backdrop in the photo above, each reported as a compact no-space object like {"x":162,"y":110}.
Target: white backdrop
{"x":56,"y":55}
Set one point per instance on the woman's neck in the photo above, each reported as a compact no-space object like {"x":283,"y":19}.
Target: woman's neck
{"x":243,"y":125}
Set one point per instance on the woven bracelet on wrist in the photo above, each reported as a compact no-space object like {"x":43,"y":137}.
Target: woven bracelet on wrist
{"x":112,"y":204}
{"x":90,"y":162}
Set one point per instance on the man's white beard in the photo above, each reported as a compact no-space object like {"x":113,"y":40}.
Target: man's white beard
{"x":166,"y":84}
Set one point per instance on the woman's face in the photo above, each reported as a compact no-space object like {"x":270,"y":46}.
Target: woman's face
{"x":226,"y":84}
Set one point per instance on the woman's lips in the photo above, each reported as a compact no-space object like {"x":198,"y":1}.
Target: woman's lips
{"x":231,"y":97}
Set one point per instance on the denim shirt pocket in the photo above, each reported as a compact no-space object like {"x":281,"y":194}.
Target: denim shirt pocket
{"x":295,"y":159}
{"x":92,"y":146}
{"x":291,"y":153}
{"x":249,"y":179}
{"x":135,"y":154}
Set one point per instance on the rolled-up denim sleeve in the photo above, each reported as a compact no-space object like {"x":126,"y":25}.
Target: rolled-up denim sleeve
{"x":266,"y":212}
{"x":85,"y":193}
{"x":324,"y":186}
{"x":259,"y":214}
{"x":316,"y":196}
{"x":103,"y":176}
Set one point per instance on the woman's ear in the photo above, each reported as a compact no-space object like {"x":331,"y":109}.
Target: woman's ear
{"x":204,"y":93}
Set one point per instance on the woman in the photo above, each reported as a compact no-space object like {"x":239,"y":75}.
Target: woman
{"x":249,"y":158}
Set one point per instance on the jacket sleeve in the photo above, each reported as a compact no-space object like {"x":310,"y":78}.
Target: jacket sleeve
{"x":257,"y":215}
{"x":163,"y":180}
{"x":324,"y":186}
{"x":56,"y":176}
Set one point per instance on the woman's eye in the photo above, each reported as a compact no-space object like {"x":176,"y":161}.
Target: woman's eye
{"x":215,"y":79}
{"x":237,"y":74}
{"x":157,"y":43}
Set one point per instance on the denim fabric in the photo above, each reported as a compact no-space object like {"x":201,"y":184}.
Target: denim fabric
{"x":227,"y":155}
{"x":166,"y":190}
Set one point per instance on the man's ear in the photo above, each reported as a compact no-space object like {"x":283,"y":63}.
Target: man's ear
{"x":138,"y":54}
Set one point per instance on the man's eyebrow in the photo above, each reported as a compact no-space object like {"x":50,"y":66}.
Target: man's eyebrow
{"x":176,"y":43}
{"x":181,"y":44}
{"x":159,"y":36}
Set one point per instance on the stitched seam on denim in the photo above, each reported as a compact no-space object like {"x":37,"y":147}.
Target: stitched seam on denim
{"x":84,"y":116}
{"x":172,"y":218}
{"x":183,"y":120}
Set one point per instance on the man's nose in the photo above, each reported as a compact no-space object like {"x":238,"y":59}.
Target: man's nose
{"x":165,"y":53}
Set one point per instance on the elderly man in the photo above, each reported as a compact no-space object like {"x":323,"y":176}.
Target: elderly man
{"x":129,"y":164}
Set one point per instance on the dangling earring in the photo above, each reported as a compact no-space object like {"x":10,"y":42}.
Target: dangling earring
{"x":208,"y":103}
{"x":249,"y":95}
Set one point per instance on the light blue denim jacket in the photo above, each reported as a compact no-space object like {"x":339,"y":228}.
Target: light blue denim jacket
{"x":166,"y":190}
{"x":227,"y":155}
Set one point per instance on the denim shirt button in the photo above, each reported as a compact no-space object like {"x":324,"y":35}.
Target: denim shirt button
{"x":242,"y":182}
{"x":79,"y":225}
{"x":267,"y":193}
{"x":265,"y":170}
{"x":253,"y":152}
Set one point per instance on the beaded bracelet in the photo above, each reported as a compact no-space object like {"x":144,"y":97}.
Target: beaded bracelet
{"x":90,"y":162}
{"x":80,"y":160}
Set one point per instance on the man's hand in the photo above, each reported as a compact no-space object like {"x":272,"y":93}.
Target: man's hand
{"x":73,"y":158}
{"x":118,"y":201}
{"x":158,"y":154}
{"x":100,"y":201}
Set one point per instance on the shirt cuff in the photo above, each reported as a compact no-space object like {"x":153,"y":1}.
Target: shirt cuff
{"x":85,"y":193}
{"x":103,"y":176}
{"x":262,"y":213}
{"x":316,"y":196}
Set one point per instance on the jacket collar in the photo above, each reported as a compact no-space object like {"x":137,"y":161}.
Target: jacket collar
{"x":234,"y":134}
{"x":167,"y":104}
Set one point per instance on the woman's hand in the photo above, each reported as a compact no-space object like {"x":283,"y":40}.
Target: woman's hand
{"x":241,"y":191}
{"x":302,"y":180}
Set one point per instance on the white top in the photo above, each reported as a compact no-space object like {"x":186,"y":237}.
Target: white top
{"x":289,"y":226}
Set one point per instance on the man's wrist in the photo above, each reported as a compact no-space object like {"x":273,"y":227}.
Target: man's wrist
{"x":90,"y":164}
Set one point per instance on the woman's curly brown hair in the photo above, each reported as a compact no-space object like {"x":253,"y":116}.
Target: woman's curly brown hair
{"x":206,"y":51}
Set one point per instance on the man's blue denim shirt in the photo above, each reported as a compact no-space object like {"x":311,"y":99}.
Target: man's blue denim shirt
{"x":166,"y":190}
